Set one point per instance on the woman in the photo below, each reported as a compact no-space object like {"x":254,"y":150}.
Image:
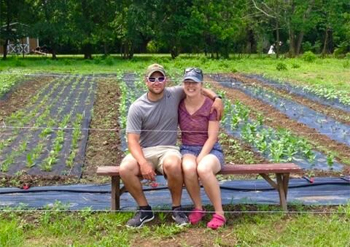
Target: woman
{"x":202,"y":154}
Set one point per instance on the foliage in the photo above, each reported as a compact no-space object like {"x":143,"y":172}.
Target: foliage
{"x":309,"y":56}
{"x":215,"y":28}
{"x":281,"y":66}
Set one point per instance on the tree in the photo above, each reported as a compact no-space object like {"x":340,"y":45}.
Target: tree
{"x":10,"y":12}
{"x":221,"y":22}
{"x":51,"y":22}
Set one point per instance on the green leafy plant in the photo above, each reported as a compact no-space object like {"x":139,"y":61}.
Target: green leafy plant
{"x":281,"y":66}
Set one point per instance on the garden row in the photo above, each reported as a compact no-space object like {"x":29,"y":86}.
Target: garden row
{"x":289,"y":123}
{"x":48,"y":136}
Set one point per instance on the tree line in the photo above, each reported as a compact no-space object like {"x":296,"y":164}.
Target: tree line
{"x":213,"y":27}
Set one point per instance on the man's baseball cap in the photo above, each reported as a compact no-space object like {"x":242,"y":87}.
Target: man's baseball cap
{"x":193,"y":74}
{"x":155,"y":68}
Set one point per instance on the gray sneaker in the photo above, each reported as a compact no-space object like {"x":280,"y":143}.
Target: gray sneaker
{"x":141,"y":217}
{"x":180,"y":217}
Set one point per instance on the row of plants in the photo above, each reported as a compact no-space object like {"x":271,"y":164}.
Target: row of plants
{"x":54,"y":128}
{"x":329,"y":93}
{"x":324,"y":124}
{"x":321,"y":93}
{"x":21,"y":123}
{"x":8,"y":81}
{"x":279,"y":145}
{"x":131,"y":87}
{"x":57,"y":140}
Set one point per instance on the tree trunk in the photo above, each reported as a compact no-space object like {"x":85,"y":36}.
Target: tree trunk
{"x":305,"y":19}
{"x":325,"y":43}
{"x":291,"y":43}
{"x":277,"y":39}
{"x":87,"y":50}
{"x":105,"y":48}
{"x":300,"y":41}
{"x":54,"y":57}
{"x":174,"y":52}
{"x":4,"y":57}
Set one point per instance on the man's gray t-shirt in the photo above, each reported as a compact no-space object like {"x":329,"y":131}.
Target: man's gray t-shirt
{"x":156,"y":121}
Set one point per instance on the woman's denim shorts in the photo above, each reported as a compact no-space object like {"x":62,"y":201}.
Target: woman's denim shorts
{"x":196,"y":149}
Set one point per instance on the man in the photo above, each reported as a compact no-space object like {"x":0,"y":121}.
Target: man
{"x":152,"y":134}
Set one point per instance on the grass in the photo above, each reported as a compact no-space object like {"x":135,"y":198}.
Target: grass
{"x":328,"y":72}
{"x":57,"y":227}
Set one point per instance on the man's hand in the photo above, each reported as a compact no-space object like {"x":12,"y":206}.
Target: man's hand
{"x":219,"y":107}
{"x":147,"y":171}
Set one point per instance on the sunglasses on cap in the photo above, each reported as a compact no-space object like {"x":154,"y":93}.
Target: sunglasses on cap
{"x":158,"y":79}
{"x":198,"y":71}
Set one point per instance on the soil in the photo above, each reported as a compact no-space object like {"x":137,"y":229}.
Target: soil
{"x":103,"y":146}
{"x":21,"y":96}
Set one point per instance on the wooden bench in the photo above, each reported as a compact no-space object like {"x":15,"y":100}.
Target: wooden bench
{"x":282,"y":172}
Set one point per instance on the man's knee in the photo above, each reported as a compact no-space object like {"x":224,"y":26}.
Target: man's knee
{"x":128,"y":168}
{"x":172,"y":164}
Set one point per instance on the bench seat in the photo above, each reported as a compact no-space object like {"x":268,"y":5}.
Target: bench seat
{"x":282,"y":172}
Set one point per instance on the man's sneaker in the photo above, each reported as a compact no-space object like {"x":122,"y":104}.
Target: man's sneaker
{"x":141,"y":217}
{"x":180,"y":217}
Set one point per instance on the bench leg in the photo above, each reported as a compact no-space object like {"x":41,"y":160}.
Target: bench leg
{"x":282,"y":186}
{"x":285,"y":183}
{"x":115,"y":193}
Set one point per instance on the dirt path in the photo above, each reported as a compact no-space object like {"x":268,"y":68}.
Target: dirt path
{"x":104,"y":140}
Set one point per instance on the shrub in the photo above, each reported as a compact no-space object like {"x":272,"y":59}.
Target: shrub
{"x":152,"y":47}
{"x":97,"y":60}
{"x":309,"y":56}
{"x":307,"y":46}
{"x":281,"y":66}
{"x":109,"y":61}
{"x":347,"y":56}
{"x":67,"y":62}
{"x":224,"y":65}
{"x":203,"y":59}
{"x":295,"y":66}
{"x":346,"y":64}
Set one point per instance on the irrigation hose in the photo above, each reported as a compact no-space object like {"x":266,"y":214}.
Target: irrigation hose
{"x":41,"y":190}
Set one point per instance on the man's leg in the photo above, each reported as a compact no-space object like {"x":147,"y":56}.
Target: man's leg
{"x":129,"y":172}
{"x":173,"y":171}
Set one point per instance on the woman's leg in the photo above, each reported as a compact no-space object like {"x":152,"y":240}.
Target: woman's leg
{"x":189,"y":168}
{"x":207,"y":168}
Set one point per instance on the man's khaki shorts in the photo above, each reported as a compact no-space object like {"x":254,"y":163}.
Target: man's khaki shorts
{"x":157,"y":154}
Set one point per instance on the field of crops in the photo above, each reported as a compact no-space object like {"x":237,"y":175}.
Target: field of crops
{"x":64,"y":125}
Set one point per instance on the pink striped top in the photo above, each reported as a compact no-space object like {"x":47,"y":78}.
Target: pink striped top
{"x":194,"y":127}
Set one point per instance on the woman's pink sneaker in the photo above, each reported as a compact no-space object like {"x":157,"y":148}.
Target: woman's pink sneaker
{"x":196,"y":215}
{"x":216,"y":222}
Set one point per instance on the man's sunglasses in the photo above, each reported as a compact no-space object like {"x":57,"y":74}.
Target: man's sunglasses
{"x":198,"y":71}
{"x":154,"y":79}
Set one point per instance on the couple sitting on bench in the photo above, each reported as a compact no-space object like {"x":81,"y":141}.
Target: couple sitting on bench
{"x":152,"y":134}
